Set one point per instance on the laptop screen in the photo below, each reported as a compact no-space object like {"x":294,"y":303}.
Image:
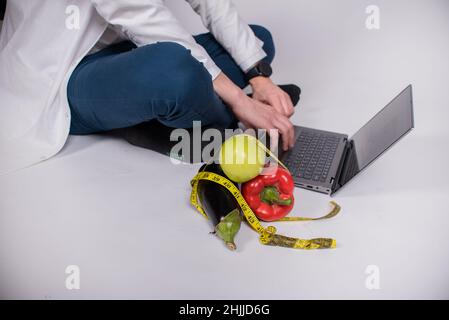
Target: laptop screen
{"x":384,"y":129}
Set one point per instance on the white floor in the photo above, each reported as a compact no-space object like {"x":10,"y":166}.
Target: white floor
{"x":122,"y":213}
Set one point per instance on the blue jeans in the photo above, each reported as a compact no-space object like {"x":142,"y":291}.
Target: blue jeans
{"x":122,"y":86}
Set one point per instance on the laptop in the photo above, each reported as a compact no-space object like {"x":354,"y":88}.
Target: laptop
{"x":325,"y":161}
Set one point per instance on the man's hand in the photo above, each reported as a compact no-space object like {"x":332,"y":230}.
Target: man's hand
{"x":253,"y":113}
{"x":264,"y":90}
{"x":258,"y":115}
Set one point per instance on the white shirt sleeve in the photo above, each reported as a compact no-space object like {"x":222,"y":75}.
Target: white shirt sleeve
{"x":147,"y":22}
{"x":234,"y":34}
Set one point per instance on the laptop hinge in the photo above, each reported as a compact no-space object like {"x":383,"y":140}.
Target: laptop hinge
{"x":336,"y":185}
{"x":349,"y":166}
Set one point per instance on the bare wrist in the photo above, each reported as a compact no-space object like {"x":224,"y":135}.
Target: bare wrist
{"x":238,"y":98}
{"x":231,"y":94}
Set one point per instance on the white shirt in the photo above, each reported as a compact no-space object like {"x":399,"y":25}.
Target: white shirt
{"x":42,"y":41}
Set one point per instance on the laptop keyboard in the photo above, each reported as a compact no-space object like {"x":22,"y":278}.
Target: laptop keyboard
{"x":312,"y":156}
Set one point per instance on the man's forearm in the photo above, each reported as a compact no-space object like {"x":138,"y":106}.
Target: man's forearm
{"x":228,"y":91}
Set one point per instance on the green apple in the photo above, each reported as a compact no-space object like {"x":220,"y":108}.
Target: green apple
{"x":242,"y":158}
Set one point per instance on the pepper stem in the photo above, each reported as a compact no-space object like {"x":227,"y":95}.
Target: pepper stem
{"x":228,"y":228}
{"x":271,"y":195}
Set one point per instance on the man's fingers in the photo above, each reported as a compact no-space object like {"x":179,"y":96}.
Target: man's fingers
{"x":282,"y":104}
{"x":284,"y":130}
{"x":290,"y":132}
{"x":288,"y":105}
{"x":276,"y":103}
{"x":274,"y":138}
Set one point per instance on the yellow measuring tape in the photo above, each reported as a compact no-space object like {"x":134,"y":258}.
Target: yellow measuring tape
{"x":267,"y":236}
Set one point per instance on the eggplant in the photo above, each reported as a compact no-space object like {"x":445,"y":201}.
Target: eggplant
{"x":220,"y":205}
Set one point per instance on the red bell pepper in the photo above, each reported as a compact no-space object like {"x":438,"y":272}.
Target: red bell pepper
{"x":270,"y":195}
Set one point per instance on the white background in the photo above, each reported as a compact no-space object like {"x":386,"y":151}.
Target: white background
{"x":122,"y":213}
